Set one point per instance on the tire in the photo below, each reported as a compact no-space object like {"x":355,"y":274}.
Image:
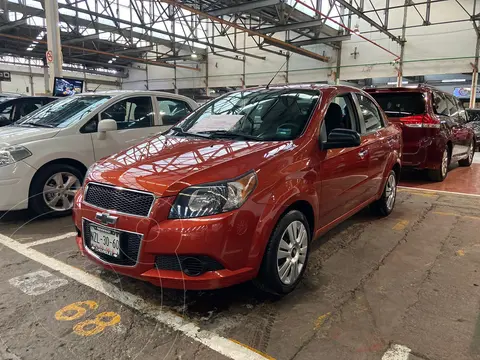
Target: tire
{"x":440,"y":174}
{"x":384,"y":206}
{"x":48,"y":179}
{"x":279,"y":254}
{"x":470,"y":154}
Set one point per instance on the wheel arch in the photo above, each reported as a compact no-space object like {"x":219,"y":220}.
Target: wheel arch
{"x":62,"y":161}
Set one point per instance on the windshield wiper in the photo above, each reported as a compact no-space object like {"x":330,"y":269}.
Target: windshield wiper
{"x":180,"y":131}
{"x":230,"y":134}
{"x":35,"y":124}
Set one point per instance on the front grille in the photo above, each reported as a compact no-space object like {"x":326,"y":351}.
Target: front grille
{"x":190,"y":265}
{"x":129,"y":246}
{"x":122,"y":200}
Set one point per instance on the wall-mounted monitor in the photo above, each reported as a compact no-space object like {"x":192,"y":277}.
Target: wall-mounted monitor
{"x":67,"y":87}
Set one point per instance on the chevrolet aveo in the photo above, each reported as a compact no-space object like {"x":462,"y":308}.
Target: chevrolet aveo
{"x":239,"y":188}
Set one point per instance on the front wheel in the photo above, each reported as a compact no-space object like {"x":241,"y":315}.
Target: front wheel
{"x":384,"y":205}
{"x":470,"y":153}
{"x":441,"y":173}
{"x":286,"y":255}
{"x":53,"y":189}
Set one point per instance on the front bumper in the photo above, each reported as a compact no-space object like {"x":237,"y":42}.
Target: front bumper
{"x":226,"y":239}
{"x":15,"y":182}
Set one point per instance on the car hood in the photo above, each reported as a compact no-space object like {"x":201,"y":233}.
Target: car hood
{"x":165,"y":165}
{"x":18,"y":135}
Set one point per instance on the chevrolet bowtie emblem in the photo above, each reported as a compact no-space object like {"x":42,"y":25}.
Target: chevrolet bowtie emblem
{"x":106,"y":218}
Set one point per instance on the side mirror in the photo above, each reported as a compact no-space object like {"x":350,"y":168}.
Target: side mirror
{"x":104,"y":126}
{"x":341,"y":138}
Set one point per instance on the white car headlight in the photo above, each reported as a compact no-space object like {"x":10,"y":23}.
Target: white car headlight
{"x":211,"y":199}
{"x":12,"y":154}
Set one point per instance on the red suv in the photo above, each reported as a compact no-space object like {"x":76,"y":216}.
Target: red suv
{"x":237,"y":190}
{"x":433,"y":124}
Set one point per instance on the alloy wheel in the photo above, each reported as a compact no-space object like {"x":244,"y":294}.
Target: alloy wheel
{"x":390,"y":191}
{"x":444,"y":163}
{"x":59,"y":191}
{"x":471,"y":151}
{"x":292,"y":252}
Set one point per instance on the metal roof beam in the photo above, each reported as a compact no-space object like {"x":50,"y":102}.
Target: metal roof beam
{"x":364,"y":17}
{"x":322,"y":40}
{"x":80,"y":39}
{"x":250,"y":5}
{"x":293,"y":26}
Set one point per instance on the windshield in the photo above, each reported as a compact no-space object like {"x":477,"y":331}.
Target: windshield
{"x":401,"y":104}
{"x":5,"y":98}
{"x":268,"y":114}
{"x":64,"y":112}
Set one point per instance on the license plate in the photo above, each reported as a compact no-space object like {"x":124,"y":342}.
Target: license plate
{"x":105,"y":241}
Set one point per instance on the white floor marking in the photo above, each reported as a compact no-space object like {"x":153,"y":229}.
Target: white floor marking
{"x":48,"y":240}
{"x":438,"y":191}
{"x":396,"y":352}
{"x":213,"y":341}
{"x":37,"y":283}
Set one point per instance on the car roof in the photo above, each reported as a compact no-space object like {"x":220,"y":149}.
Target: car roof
{"x":320,"y":87}
{"x":119,"y":93}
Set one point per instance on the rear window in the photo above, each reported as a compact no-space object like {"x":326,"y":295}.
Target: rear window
{"x":401,"y":104}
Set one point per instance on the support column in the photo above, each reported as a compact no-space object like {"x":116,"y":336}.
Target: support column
{"x":32,"y":91}
{"x":402,"y":46}
{"x":53,"y":40}
{"x":46,"y":81}
{"x":473,"y":92}
{"x":339,"y":64}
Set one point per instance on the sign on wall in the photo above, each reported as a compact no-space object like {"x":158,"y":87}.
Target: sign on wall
{"x":5,"y":76}
{"x":464,"y":92}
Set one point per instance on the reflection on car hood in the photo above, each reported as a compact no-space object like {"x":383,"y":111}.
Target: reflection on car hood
{"x":475,"y":125}
{"x":165,"y":165}
{"x":17,"y":135}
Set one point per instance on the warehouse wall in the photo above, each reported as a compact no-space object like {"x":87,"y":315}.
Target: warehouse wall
{"x":436,"y":49}
{"x":21,"y":80}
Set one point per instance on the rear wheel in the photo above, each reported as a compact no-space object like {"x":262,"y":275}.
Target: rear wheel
{"x":286,"y":255}
{"x":441,"y":173}
{"x":53,"y":189}
{"x":470,"y":153}
{"x":384,"y":205}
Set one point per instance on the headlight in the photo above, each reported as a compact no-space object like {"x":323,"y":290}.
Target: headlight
{"x":12,"y":154}
{"x":211,"y":199}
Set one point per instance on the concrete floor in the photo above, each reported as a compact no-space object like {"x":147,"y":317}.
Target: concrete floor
{"x":410,"y":280}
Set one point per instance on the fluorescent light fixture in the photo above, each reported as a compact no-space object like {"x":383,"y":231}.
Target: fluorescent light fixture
{"x":453,"y":80}
{"x":395,"y":83}
{"x":194,"y":56}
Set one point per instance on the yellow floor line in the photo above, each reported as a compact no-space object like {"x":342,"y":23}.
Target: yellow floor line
{"x":400,"y":225}
{"x":266,"y":356}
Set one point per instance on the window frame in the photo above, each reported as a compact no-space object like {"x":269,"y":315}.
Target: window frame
{"x":362,"y":119}
{"x":158,"y":98}
{"x":128,"y":112}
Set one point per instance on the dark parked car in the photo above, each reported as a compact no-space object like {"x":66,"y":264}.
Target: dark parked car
{"x":473,"y":122}
{"x":434,"y":127}
{"x":13,"y":108}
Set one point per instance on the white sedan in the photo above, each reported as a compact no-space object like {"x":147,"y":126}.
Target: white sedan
{"x":44,"y":156}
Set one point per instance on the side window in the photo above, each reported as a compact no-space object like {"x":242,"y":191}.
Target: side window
{"x":26,"y":107}
{"x":369,"y":112}
{"x":461,"y":110}
{"x":132,"y":113}
{"x":440,"y":105}
{"x":340,"y":115}
{"x":452,"y":105}
{"x":5,"y":113}
{"x":172,"y":111}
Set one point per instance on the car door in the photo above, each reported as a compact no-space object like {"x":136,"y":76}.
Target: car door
{"x":135,"y":119}
{"x":343,"y":172}
{"x":460,"y":133}
{"x":447,"y":123}
{"x":373,"y":130}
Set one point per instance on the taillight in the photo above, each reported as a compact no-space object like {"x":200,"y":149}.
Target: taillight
{"x":420,"y":121}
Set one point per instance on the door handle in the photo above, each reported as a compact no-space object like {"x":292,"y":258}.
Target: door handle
{"x":362,"y":154}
